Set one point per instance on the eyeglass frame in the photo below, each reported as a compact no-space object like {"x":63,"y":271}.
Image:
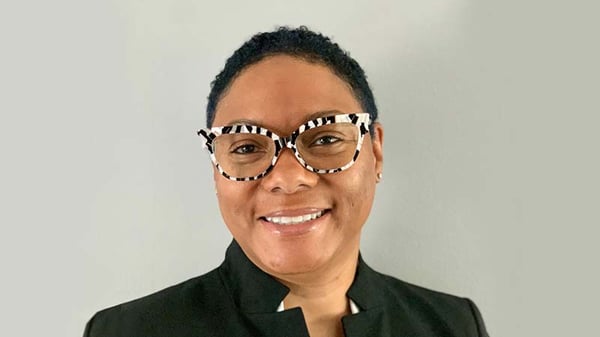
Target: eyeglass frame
{"x":360,"y":119}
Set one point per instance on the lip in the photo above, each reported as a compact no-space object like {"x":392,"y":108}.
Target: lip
{"x":290,"y":230}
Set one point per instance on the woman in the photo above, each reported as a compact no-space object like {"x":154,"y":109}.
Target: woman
{"x":297,"y":153}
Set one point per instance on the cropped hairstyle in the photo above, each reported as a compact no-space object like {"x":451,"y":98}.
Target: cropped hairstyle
{"x":297,"y":42}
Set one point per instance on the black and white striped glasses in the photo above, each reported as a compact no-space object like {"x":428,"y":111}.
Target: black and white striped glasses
{"x":328,"y":144}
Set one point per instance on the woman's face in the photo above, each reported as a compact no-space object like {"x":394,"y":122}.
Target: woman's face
{"x":281,"y":93}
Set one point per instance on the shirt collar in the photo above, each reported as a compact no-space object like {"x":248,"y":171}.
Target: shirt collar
{"x":353,"y":307}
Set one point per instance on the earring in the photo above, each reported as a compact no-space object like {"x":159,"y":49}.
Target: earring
{"x":379,"y":176}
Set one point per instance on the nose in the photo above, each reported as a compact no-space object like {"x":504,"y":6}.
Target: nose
{"x":288,"y":175}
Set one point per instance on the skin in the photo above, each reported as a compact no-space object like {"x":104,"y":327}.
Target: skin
{"x":318,"y":261}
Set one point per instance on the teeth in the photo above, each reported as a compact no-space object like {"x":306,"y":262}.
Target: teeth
{"x":293,"y":220}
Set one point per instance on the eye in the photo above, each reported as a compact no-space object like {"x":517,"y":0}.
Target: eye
{"x":245,"y":149}
{"x":326,"y":140}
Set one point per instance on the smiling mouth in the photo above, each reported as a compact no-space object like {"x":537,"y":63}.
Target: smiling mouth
{"x":294,"y":220}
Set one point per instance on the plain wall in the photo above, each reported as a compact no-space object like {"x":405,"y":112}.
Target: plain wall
{"x":490,"y":187}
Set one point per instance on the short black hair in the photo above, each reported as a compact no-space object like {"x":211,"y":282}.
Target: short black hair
{"x":298,"y":42}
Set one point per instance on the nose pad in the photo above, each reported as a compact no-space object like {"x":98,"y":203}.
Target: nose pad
{"x":289,"y":175}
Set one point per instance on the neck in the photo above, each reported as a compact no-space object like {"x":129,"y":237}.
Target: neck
{"x":322,"y":297}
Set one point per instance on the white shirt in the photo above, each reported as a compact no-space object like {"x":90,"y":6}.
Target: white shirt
{"x":353,"y":307}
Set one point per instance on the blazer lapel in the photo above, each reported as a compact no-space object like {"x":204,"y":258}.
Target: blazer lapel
{"x":381,"y":322}
{"x":365,"y":324}
{"x":288,"y":323}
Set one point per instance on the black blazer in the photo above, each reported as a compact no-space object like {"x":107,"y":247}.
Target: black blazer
{"x":239,"y":300}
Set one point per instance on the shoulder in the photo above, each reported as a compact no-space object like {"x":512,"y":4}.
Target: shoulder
{"x":166,"y":312}
{"x":433,"y":308}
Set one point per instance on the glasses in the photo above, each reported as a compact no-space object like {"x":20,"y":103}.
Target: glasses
{"x":244,"y":152}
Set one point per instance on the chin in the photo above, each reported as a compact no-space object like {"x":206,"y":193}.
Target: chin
{"x":289,"y":268}
{"x":291,"y":260}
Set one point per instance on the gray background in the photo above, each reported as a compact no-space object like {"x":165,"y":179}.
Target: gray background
{"x":490,"y":185}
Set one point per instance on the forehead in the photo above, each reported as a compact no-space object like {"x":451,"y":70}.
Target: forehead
{"x":282,"y":92}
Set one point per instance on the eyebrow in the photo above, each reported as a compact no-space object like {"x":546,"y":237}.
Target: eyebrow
{"x":312,"y":116}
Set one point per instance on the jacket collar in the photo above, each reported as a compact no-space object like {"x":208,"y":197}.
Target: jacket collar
{"x":255,"y":291}
{"x":252,"y":290}
{"x":368,"y":289}
{"x":258,"y":294}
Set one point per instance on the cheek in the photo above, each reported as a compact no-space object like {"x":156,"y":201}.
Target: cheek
{"x":234,"y":201}
{"x":356,"y":191}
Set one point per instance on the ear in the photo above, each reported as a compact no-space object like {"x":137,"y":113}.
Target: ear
{"x":377,"y":143}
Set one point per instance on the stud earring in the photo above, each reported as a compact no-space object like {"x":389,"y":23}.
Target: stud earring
{"x":379,"y":176}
